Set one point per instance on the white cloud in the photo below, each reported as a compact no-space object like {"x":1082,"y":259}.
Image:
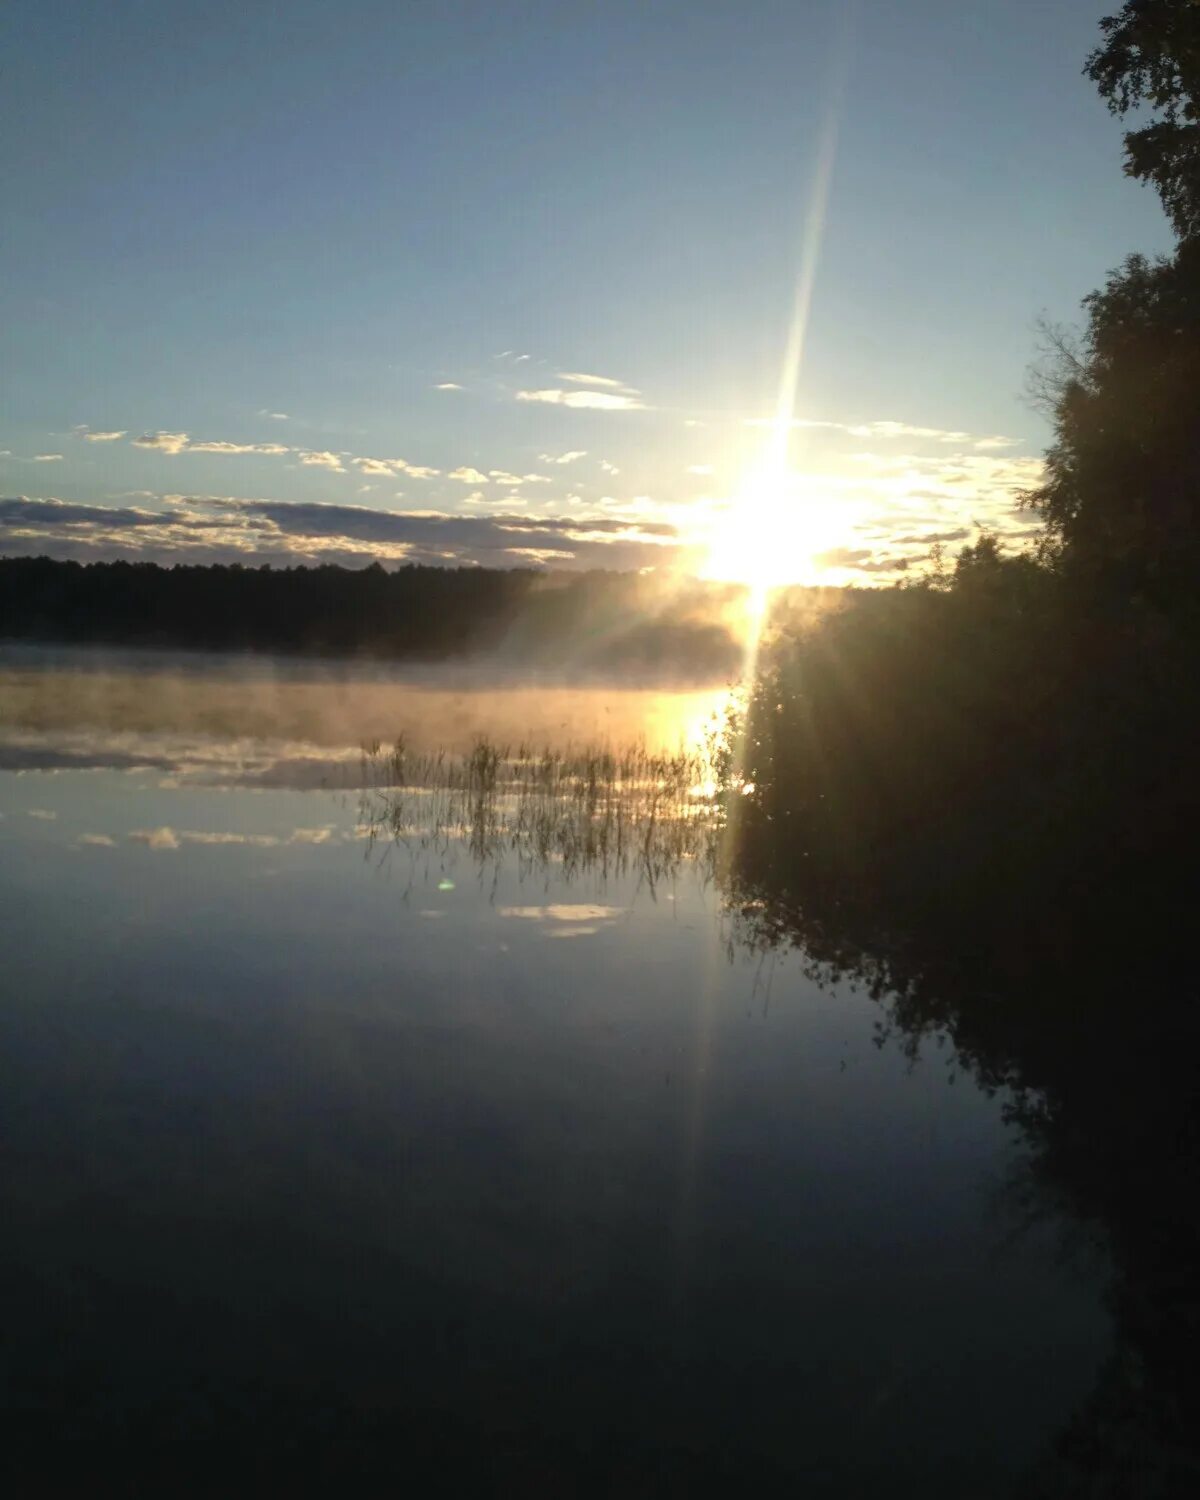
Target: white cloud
{"x":275,"y":416}
{"x":501,"y":476}
{"x":97,"y":840}
{"x":563,"y":458}
{"x":448,"y":385}
{"x":156,"y":838}
{"x":575,"y":377}
{"x":162,"y":442}
{"x":273,"y":449}
{"x":991,"y":444}
{"x":584,"y":400}
{"x":374,"y":466}
{"x":331,"y":461}
{"x":46,"y":458}
{"x":101,"y":437}
{"x":609,"y":468}
{"x":467,"y":475}
{"x":416,"y":471}
{"x":42,"y":813}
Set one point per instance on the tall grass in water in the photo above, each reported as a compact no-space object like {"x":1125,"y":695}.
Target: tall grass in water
{"x":585,"y":809}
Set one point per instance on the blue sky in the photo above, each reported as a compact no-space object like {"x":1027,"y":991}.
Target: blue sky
{"x":285,"y":228}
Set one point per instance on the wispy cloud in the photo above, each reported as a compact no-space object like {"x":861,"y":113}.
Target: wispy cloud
{"x":563,"y":458}
{"x":100,"y":437}
{"x":584,"y":400}
{"x":272,"y":449}
{"x":275,"y":416}
{"x":46,"y":458}
{"x":576,"y":377}
{"x":889,"y":430}
{"x":448,"y":385}
{"x":156,"y":838}
{"x":162,"y":442}
{"x":330,"y":461}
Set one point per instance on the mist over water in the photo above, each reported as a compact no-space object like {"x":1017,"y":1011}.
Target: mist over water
{"x":52,"y":691}
{"x":441,"y":1088}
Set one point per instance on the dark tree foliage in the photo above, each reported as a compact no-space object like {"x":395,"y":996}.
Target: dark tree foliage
{"x":1151,"y":60}
{"x":591,"y":620}
{"x":1121,"y":497}
{"x":978,"y":794}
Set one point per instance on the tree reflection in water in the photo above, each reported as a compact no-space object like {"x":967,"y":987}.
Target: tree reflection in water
{"x":1080,"y":1009}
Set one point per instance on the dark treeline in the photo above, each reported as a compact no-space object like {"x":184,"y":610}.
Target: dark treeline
{"x":590,"y":620}
{"x":978,"y":792}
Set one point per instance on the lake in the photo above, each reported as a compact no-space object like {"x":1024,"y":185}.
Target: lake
{"x":331,"y":1153}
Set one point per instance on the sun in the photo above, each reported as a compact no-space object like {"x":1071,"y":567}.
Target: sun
{"x":775,"y":531}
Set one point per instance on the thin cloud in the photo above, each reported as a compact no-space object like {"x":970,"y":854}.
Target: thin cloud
{"x":46,"y":458}
{"x":162,"y":442}
{"x":101,"y":437}
{"x":275,"y":416}
{"x":563,"y":458}
{"x":273,"y":449}
{"x":584,"y":400}
{"x":155,"y":838}
{"x":448,"y":385}
{"x":575,"y":377}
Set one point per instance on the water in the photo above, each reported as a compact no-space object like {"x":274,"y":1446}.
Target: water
{"x":327,"y":1152}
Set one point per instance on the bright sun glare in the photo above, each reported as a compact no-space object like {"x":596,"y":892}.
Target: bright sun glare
{"x":775,"y":531}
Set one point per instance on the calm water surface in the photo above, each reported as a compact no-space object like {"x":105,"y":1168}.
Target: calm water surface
{"x":324,"y":1152}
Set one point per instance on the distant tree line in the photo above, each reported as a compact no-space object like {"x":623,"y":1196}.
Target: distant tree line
{"x":595,"y":620}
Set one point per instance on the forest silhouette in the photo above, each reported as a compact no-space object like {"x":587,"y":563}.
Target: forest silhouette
{"x":590,"y":621}
{"x":977,"y":792}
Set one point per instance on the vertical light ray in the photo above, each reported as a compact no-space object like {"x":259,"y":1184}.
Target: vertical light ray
{"x":762,"y":512}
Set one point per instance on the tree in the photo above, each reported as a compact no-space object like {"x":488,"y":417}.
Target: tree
{"x":1151,"y":59}
{"x":1121,"y":497}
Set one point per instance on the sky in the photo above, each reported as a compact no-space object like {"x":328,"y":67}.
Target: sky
{"x":512,"y":283}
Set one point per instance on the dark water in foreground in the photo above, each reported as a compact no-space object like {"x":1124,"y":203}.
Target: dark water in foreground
{"x":326,"y":1158}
